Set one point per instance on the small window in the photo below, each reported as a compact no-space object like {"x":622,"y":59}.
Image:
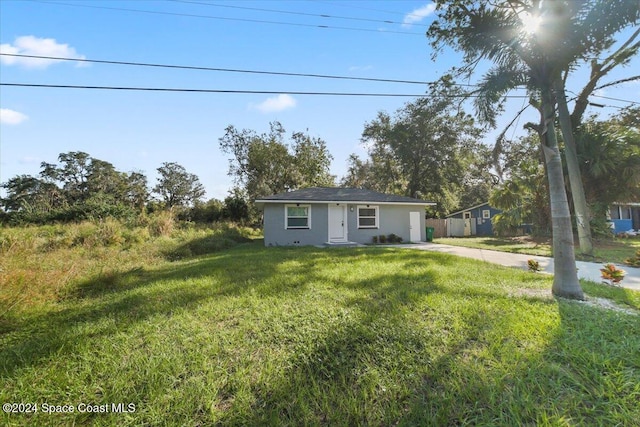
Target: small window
{"x":298,"y":216}
{"x":466,"y":215}
{"x":367,"y":217}
{"x":625,"y":212}
{"x":486,"y":214}
{"x":615,"y":212}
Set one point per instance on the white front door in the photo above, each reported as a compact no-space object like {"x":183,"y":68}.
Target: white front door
{"x":337,"y":223}
{"x":414,"y":226}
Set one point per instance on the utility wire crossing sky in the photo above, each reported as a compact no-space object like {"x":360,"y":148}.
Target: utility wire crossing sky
{"x":118,"y":79}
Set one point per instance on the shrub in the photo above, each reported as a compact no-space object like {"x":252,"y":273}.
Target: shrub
{"x":394,"y":238}
{"x":634,"y":261}
{"x":110,"y":232}
{"x":162,"y":224}
{"x":382,"y":238}
{"x":612,"y":273}
{"x":375,"y":240}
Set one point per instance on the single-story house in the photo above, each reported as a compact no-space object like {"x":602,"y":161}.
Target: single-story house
{"x":327,"y":215}
{"x":476,"y":221}
{"x":625,"y":217}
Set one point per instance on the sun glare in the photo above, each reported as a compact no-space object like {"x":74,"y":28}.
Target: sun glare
{"x":530,"y":23}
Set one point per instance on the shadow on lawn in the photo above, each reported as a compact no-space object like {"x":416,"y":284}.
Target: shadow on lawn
{"x":134,"y":296}
{"x":396,"y":360}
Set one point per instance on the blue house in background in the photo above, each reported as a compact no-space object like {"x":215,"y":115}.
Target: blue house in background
{"x":625,"y":217}
{"x":477,"y":220}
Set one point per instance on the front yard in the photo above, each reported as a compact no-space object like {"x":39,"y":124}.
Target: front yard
{"x":308,"y":336}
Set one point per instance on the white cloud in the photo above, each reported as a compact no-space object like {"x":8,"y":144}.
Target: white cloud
{"x":31,"y":45}
{"x":10,"y":117}
{"x":418,"y":14}
{"x":273,"y":105}
{"x":360,"y":68}
{"x":29,"y":160}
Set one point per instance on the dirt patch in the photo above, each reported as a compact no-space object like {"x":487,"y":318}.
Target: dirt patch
{"x":546,"y":295}
{"x":541,"y":294}
{"x":608,"y":305}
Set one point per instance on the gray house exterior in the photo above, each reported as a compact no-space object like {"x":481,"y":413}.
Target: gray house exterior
{"x":327,"y":215}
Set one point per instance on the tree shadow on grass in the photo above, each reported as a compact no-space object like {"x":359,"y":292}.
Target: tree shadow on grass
{"x":132,"y":297}
{"x":393,"y":359}
{"x":380,"y":368}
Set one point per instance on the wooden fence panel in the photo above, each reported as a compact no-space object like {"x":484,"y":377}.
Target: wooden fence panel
{"x":439,"y":227}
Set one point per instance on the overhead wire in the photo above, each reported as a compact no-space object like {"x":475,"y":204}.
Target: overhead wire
{"x":231,"y":70}
{"x":233,"y":91}
{"x":290,"y":12}
{"x":255,"y":21}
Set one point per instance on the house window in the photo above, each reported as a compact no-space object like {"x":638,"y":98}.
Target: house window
{"x":367,"y":216}
{"x":466,"y":215}
{"x":486,"y":214}
{"x":297,"y":216}
{"x":615,"y":212}
{"x":625,"y":212}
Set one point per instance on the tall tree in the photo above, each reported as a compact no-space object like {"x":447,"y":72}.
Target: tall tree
{"x":177,"y":187}
{"x":562,"y":34}
{"x":266,"y":164}
{"x":429,"y":149}
{"x":490,"y":32}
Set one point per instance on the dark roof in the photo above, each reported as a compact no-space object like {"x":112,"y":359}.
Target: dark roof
{"x":333,"y":194}
{"x":468,"y":209}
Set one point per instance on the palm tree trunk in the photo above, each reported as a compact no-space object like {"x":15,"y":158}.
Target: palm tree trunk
{"x":565,"y":277}
{"x":575,"y":177}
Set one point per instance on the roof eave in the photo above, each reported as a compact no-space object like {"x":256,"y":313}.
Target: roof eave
{"x":370,"y":202}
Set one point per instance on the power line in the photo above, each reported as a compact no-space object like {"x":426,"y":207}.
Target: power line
{"x":230,"y":70}
{"x":222,"y":18}
{"x":289,"y":12}
{"x":231,"y":91}
{"x":362,"y":8}
{"x":615,"y":99}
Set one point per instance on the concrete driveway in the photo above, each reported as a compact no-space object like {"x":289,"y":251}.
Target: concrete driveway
{"x":586,"y":270}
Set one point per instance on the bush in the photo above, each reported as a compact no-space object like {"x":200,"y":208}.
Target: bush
{"x":634,"y":261}
{"x":612,"y":273}
{"x":394,"y":238}
{"x":110,"y":232}
{"x":161,"y":224}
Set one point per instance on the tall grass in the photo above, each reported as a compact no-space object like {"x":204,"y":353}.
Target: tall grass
{"x":38,"y":263}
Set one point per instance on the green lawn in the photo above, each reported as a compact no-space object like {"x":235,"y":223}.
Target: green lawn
{"x":305,"y":336}
{"x":614,"y":250}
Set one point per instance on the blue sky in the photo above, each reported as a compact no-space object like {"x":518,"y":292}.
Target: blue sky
{"x":138,"y":131}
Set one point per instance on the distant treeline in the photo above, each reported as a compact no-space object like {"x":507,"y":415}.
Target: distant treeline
{"x":81,"y":187}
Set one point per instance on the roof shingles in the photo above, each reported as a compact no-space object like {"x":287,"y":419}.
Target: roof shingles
{"x":334,"y":194}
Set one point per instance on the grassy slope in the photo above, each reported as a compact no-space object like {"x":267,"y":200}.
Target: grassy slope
{"x":305,"y":336}
{"x":616,"y":250}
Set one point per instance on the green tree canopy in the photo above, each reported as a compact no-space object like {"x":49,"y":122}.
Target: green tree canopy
{"x":429,"y":149}
{"x":78,"y":187}
{"x":266,"y":164}
{"x":177,"y":187}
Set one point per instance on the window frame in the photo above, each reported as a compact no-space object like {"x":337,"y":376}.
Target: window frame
{"x":486,"y":214}
{"x":376,"y":217}
{"x":287,"y":216}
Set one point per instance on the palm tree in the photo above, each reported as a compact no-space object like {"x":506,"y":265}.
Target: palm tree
{"x":507,"y":34}
{"x":483,"y":31}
